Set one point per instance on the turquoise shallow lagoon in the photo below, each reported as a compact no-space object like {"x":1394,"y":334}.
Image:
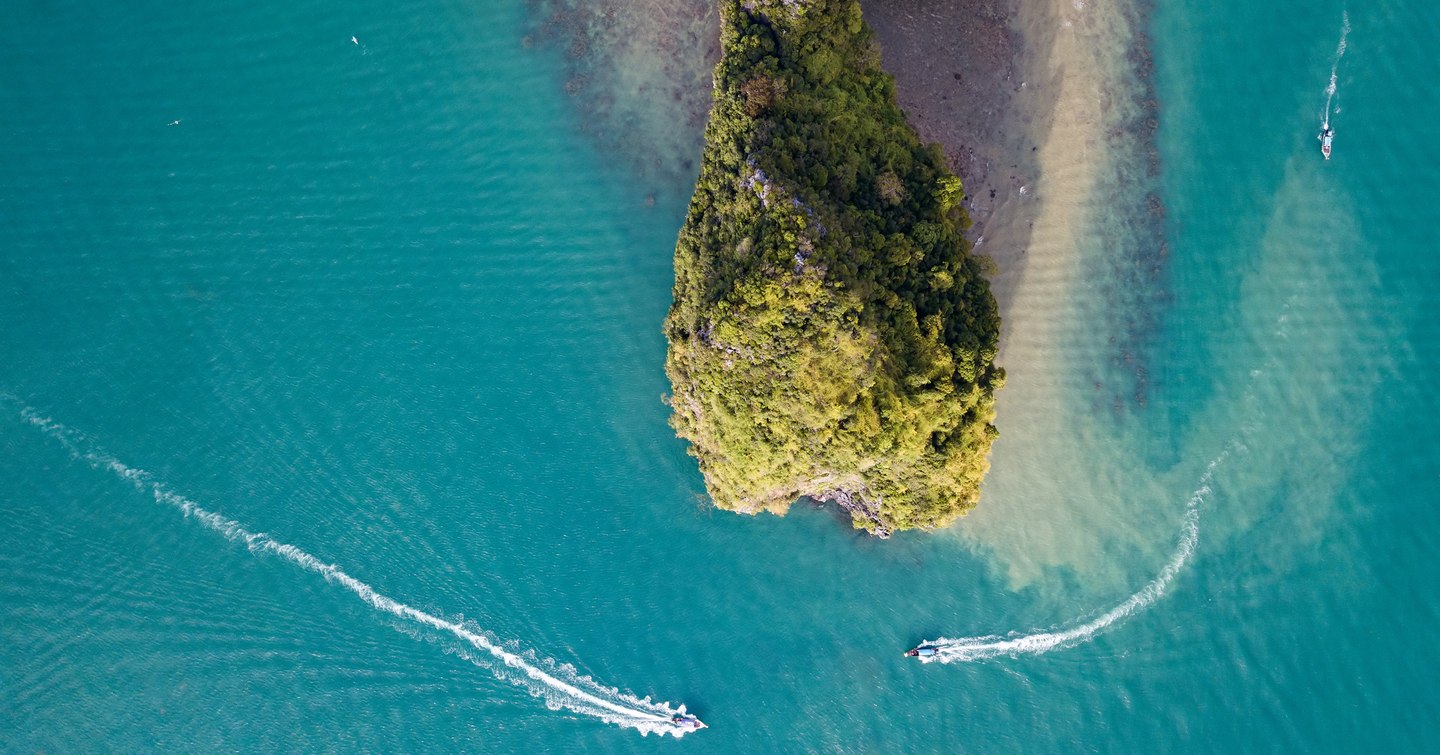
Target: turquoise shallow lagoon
{"x":391,"y":303}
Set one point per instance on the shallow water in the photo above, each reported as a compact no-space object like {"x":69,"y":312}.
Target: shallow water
{"x":391,"y":303}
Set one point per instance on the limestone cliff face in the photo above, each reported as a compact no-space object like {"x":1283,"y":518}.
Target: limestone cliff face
{"x":831,"y":335}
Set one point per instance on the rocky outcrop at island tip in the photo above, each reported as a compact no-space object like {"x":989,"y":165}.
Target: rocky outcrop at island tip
{"x":831,"y":334}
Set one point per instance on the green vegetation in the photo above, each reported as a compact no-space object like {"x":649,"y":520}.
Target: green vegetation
{"x":831,"y":335}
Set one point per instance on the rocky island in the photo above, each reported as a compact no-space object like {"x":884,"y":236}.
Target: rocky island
{"x":831,"y":335}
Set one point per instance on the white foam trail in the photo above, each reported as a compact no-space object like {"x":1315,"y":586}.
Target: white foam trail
{"x":577,"y":693}
{"x":1015,"y":644}
{"x":1335,"y":65}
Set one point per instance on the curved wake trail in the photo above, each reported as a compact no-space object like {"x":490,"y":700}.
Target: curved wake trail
{"x":577,"y":693}
{"x":1015,"y":644}
{"x":1335,"y":64}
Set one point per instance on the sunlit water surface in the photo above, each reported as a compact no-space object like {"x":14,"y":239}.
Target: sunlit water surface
{"x":396,"y":303}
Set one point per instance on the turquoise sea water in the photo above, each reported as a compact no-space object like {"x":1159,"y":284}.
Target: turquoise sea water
{"x":389,"y":304}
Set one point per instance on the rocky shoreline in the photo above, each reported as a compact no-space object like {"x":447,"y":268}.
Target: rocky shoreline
{"x":858,"y":509}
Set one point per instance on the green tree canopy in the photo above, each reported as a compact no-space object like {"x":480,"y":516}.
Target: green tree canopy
{"x":831,"y":335}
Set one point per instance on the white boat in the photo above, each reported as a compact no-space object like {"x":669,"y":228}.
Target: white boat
{"x":1327,"y":135}
{"x":687,"y":722}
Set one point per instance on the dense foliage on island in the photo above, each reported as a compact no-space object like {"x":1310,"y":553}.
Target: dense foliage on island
{"x":831,"y":335}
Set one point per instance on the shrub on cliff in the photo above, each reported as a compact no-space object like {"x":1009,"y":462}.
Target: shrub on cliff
{"x":830,"y":335}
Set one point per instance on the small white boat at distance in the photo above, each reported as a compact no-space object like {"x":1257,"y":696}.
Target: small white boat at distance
{"x":1327,"y":135}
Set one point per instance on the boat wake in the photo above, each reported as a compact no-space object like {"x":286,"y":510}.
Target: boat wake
{"x":559,"y":685}
{"x":1335,"y":65}
{"x":1036,"y":643}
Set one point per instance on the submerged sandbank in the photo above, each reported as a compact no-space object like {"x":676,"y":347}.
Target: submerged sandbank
{"x":639,"y":75}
